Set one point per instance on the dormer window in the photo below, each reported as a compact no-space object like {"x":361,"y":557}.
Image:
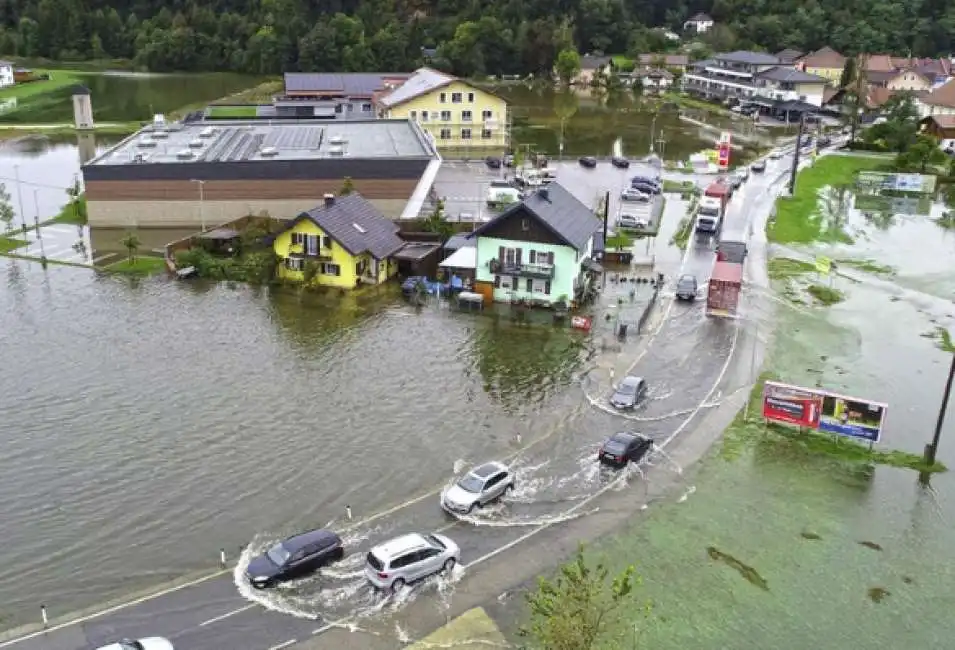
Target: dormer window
{"x":525,"y":224}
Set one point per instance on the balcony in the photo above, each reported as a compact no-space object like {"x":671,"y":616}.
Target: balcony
{"x":539,"y":271}
{"x":708,"y":82}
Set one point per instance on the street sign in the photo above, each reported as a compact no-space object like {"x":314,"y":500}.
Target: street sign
{"x":724,"y":149}
{"x":823,"y":265}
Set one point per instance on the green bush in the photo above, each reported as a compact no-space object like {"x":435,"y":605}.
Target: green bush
{"x":254,"y":267}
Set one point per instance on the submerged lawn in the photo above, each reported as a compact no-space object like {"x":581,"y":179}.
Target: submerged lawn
{"x":799,"y":218}
{"x":138,"y":266}
{"x":58,"y":79}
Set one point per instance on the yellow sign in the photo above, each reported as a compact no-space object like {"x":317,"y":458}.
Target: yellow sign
{"x":823,"y":265}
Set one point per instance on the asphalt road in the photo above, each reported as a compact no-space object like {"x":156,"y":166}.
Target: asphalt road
{"x":556,"y":471}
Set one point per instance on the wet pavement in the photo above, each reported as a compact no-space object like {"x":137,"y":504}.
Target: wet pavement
{"x":63,"y":243}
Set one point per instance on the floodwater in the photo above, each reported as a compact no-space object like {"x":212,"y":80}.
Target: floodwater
{"x":121,"y":97}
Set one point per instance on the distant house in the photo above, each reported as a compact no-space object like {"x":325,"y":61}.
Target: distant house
{"x":653,"y":79}
{"x":788,"y":56}
{"x":896,"y":80}
{"x":941,"y":127}
{"x":592,"y":65}
{"x":824,"y":62}
{"x":329,"y":95}
{"x":788,"y":84}
{"x":6,"y":74}
{"x":670,"y":61}
{"x":940,"y":101}
{"x":347,"y":238}
{"x":538,"y":250}
{"x":699,"y":23}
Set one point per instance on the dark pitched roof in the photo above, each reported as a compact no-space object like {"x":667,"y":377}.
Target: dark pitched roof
{"x":592,"y":62}
{"x":357,"y":225}
{"x":796,"y":105}
{"x":825,"y":57}
{"x":700,"y":17}
{"x":784,"y":74}
{"x":559,"y":211}
{"x":363,"y":84}
{"x":788,"y":55}
{"x":745,"y":56}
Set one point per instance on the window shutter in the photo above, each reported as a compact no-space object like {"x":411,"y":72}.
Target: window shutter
{"x":514,"y":283}
{"x":532,"y":256}
{"x":530,"y":285}
{"x":500,"y":254}
{"x":338,"y":270}
{"x":547,"y":287}
{"x":517,"y":256}
{"x":497,"y":282}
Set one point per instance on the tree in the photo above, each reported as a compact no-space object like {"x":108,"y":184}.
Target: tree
{"x":920,"y":155}
{"x":7,"y":212}
{"x":436,"y":223}
{"x":309,"y":272}
{"x":131,"y":243}
{"x":848,"y":73}
{"x":899,"y":130}
{"x":567,"y":65}
{"x":347,"y":186}
{"x":579,"y":609}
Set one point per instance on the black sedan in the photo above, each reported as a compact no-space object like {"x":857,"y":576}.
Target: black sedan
{"x":492,"y":162}
{"x":630,"y":392}
{"x":646,"y":188}
{"x":759,"y":166}
{"x":620,"y":162}
{"x":588,"y":161}
{"x":686,"y":288}
{"x":624,"y":447}
{"x":295,"y":557}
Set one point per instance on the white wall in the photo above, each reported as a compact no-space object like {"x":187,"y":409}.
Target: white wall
{"x":6,"y":76}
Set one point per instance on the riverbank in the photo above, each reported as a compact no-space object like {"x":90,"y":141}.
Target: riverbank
{"x":13,"y":131}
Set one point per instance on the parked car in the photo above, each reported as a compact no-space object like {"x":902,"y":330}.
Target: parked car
{"x":686,"y":287}
{"x":410,"y":284}
{"x":493,"y":162}
{"x":149,"y":643}
{"x":295,"y":557}
{"x":630,"y":392}
{"x":620,"y":162}
{"x":588,"y":161}
{"x":645,"y":180}
{"x":632,"y":222}
{"x":502,"y":193}
{"x":632,"y":194}
{"x":624,"y":447}
{"x":479,"y":487}
{"x":646,"y":188}
{"x":775,"y":155}
{"x":735,"y":182}
{"x":758,"y":167}
{"x":743,"y":174}
{"x":508,"y":160}
{"x":411,"y":557}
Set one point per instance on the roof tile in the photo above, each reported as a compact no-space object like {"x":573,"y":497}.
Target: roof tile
{"x":944,"y":95}
{"x":423,"y":81}
{"x":825,"y":57}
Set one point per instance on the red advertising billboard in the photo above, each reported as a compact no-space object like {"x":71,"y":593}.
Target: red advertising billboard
{"x":791,"y":404}
{"x":724,"y":149}
{"x":824,"y":411}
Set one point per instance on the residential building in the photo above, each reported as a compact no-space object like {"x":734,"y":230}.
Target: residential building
{"x":198,"y":175}
{"x":653,"y":79}
{"x":789,"y":56}
{"x":669,"y":61}
{"x":454,"y":112}
{"x":346,"y":238}
{"x":941,"y":127}
{"x":908,"y":79}
{"x":754,"y":76}
{"x":940,"y":101}
{"x":539,"y":249}
{"x":824,"y":62}
{"x":6,"y":74}
{"x":333,"y":96}
{"x":592,"y":66}
{"x":699,"y":23}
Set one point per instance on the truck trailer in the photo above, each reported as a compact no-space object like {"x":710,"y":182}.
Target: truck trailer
{"x":726,"y":281}
{"x":712,"y":208}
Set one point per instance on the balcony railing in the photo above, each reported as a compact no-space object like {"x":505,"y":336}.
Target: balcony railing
{"x":541,"y":271}
{"x":727,"y":82}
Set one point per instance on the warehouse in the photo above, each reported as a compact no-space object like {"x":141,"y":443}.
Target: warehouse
{"x":187,"y":175}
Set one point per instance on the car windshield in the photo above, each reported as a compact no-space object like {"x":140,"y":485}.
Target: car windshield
{"x":471,"y":484}
{"x":130,"y":645}
{"x":278,"y":554}
{"x":614,"y":447}
{"x":627,"y":388}
{"x":621,"y":438}
{"x":435,"y":541}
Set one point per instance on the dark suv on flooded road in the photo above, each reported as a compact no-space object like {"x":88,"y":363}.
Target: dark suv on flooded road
{"x":295,"y":557}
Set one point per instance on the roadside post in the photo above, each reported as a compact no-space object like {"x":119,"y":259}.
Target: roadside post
{"x":222,"y":557}
{"x":931,"y":449}
{"x":46,"y":621}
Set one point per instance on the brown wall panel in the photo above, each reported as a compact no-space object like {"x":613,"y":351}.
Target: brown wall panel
{"x":177,"y":190}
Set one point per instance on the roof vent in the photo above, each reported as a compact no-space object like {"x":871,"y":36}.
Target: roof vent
{"x":141,"y":157}
{"x":159,"y":135}
{"x":359,"y":228}
{"x":207,"y":132}
{"x":185,"y":154}
{"x":269,"y":152}
{"x":159,"y":119}
{"x":336,"y":151}
{"x":196,"y":144}
{"x":336,"y":139}
{"x":329,"y":200}
{"x":146,"y":143}
{"x":544,"y":193}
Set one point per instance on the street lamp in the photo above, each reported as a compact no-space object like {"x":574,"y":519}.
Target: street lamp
{"x":202,"y":200}
{"x":653,"y":128}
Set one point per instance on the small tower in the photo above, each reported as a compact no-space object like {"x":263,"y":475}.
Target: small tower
{"x":82,"y":108}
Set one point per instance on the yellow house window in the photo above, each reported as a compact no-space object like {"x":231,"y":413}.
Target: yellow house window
{"x":487,"y":114}
{"x":443,"y":98}
{"x":445,"y":116}
{"x":294,"y":263}
{"x":470,"y":98}
{"x":456,"y":98}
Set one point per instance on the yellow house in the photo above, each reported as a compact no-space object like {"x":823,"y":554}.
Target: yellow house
{"x":342,"y":243}
{"x":455,"y":113}
{"x":825,"y":62}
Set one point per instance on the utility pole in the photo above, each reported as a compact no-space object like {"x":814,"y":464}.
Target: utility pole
{"x":36,"y":205}
{"x":792,"y":175}
{"x":653,"y":127}
{"x":202,"y":202}
{"x":23,"y":219}
{"x":859,"y":91}
{"x":932,"y":448}
{"x":606,"y":216}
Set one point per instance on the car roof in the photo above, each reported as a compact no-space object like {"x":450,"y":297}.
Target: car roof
{"x":485,"y":470}
{"x":400,"y":545}
{"x":631,"y":380}
{"x":687,"y":276}
{"x":302,"y":540}
{"x":624,"y":436}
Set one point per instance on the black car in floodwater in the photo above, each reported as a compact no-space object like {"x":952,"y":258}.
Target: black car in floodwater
{"x":588,"y":161}
{"x":624,"y":447}
{"x":295,"y":557}
{"x":620,"y":162}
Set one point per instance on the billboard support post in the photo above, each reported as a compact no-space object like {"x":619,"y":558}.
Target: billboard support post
{"x":932,"y":448}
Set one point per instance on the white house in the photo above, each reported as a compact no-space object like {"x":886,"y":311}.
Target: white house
{"x":699,"y":23}
{"x":940,"y":101}
{"x":653,"y":78}
{"x":6,"y":74}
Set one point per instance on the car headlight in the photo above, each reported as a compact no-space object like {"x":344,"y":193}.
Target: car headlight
{"x":260,"y":579}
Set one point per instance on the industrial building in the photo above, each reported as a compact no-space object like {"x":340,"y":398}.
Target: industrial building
{"x":187,"y":175}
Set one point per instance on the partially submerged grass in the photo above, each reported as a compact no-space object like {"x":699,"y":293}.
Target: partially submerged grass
{"x":682,"y":234}
{"x":825,"y":295}
{"x":943,"y":339}
{"x":685,"y":189}
{"x":798,"y":218}
{"x":781,"y":268}
{"x":72,"y":213}
{"x":620,"y":240}
{"x":143,"y":265}
{"x":867,"y":266}
{"x":58,"y":79}
{"x":8,"y":244}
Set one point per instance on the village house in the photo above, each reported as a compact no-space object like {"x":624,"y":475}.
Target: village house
{"x":539,"y":250}
{"x":757,"y":77}
{"x":789,"y":56}
{"x":677,"y":62}
{"x":338,"y":96}
{"x":347,"y":239}
{"x":941,"y":127}
{"x":699,"y":23}
{"x":652,"y":79}
{"x":824,"y":62}
{"x":592,"y":66}
{"x":905,"y":79}
{"x":940,"y":101}
{"x":6,"y":74}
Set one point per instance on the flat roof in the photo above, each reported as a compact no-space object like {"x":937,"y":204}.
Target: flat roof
{"x":222,"y":141}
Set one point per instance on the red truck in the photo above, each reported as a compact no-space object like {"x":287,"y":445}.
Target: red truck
{"x":712,"y":207}
{"x":725,"y":283}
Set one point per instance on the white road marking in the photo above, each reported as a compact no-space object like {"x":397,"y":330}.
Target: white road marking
{"x":114,"y":609}
{"x":63,"y":229}
{"x":283,"y":645}
{"x":103,"y":257}
{"x":226,"y":615}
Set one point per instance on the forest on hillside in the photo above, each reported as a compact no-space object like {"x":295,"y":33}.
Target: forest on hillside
{"x":472,"y":37}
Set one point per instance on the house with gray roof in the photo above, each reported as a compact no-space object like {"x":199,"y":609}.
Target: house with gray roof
{"x":539,"y":250}
{"x":757,"y":77}
{"x":346,"y":240}
{"x":333,"y":95}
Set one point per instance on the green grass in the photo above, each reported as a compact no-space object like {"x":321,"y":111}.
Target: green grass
{"x":620,"y":240}
{"x":121,"y":128}
{"x":825,"y":295}
{"x":233,"y":111}
{"x":71,"y":214}
{"x":943,"y":339}
{"x":685,"y":189}
{"x":58,"y":79}
{"x":781,"y":268}
{"x":798,"y":218}
{"x":867,"y":266}
{"x":692,"y":102}
{"x":8,"y":244}
{"x":622,"y":62}
{"x":682,"y":235}
{"x":139,"y":265}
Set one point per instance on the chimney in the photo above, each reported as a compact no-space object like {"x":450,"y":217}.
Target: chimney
{"x":543,"y":193}
{"x":329,"y":200}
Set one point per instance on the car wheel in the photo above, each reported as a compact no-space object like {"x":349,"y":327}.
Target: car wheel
{"x":397,"y":585}
{"x":509,"y":488}
{"x":449,"y":566}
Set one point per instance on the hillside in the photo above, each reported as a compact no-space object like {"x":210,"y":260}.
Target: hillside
{"x":490,"y":37}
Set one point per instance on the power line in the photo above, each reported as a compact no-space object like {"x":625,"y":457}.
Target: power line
{"x":32,"y":184}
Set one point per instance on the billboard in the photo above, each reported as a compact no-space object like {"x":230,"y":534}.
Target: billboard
{"x":908,"y":183}
{"x":724,"y":150}
{"x":824,"y":411}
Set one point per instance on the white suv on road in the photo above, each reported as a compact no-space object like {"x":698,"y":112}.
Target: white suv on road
{"x":411,"y":557}
{"x":479,"y":487}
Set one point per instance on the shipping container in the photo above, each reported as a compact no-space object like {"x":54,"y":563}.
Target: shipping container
{"x":731,"y":251}
{"x":726,"y":281}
